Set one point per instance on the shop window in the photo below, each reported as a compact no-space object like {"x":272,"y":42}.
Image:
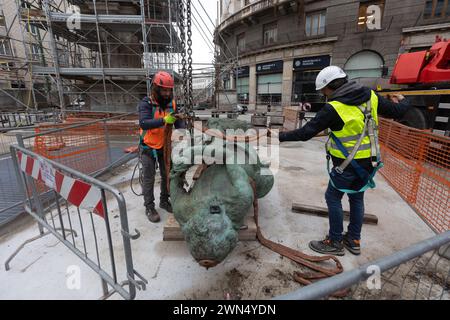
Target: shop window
{"x":242,"y":89}
{"x":269,"y":89}
{"x":304,"y":87}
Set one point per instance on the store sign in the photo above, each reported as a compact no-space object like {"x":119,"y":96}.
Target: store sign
{"x":270,"y":67}
{"x":318,"y":62}
{"x":373,"y":17}
{"x":242,"y":72}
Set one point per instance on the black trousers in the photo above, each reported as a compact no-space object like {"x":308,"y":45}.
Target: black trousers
{"x":149,"y":169}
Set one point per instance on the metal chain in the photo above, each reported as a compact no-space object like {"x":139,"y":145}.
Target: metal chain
{"x":181,"y":10}
{"x":189,"y":51}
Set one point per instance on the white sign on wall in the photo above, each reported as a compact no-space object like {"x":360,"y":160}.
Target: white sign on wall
{"x":373,"y":17}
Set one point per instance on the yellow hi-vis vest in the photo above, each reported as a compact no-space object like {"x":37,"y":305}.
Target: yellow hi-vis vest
{"x":353,"y":119}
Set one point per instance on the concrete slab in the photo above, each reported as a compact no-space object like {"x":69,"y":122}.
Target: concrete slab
{"x":251,"y":271}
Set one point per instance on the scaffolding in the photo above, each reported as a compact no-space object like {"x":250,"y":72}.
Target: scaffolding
{"x":96,"y":55}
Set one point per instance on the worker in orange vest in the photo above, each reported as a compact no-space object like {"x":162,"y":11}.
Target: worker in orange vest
{"x":155,"y":112}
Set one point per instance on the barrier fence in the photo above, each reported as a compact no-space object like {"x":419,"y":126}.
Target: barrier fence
{"x":91,"y":147}
{"x":27,"y":118}
{"x":417,"y":166}
{"x":84,"y":146}
{"x":74,"y":208}
{"x":421,"y":271}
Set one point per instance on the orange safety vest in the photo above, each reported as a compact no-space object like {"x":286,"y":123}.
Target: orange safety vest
{"x":154,"y":138}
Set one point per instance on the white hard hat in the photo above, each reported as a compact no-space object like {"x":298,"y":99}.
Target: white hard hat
{"x":327,"y":75}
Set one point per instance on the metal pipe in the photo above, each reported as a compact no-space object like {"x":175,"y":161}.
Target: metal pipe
{"x":78,"y":125}
{"x":55,"y":58}
{"x":345,"y":280}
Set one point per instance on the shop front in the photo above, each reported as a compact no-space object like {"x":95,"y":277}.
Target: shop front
{"x":269,"y":83}
{"x":242,"y":75}
{"x":304,"y":81}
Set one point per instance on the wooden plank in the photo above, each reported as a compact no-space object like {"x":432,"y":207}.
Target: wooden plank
{"x":291,"y":118}
{"x":323,"y":212}
{"x":172,"y":230}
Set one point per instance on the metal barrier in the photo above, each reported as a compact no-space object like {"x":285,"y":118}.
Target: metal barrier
{"x":84,"y":146}
{"x":92,"y":147}
{"x":27,"y":118}
{"x":75,"y":200}
{"x":421,"y":271}
{"x":417,"y":166}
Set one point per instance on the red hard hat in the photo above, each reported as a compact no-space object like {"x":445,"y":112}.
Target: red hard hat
{"x":163,"y":79}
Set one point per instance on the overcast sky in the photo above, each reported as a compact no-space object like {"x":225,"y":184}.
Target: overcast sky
{"x":201,"y":52}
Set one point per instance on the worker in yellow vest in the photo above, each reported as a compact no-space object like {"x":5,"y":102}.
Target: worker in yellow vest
{"x":155,"y":112}
{"x":351,"y":114}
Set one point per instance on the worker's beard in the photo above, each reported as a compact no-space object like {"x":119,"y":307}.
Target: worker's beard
{"x":163,"y":101}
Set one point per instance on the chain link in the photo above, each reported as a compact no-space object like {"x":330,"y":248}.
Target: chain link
{"x":189,"y":52}
{"x":181,"y":27}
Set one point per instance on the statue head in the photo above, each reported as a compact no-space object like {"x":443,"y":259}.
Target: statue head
{"x":210,"y":234}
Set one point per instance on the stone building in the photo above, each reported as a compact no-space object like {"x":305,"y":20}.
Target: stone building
{"x":279,"y":46}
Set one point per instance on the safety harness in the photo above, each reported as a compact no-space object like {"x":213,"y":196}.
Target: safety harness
{"x":371,"y":130}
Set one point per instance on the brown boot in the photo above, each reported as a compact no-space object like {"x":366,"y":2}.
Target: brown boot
{"x":152,"y":215}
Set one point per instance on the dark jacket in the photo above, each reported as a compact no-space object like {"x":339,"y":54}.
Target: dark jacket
{"x":351,"y":94}
{"x":146,"y":121}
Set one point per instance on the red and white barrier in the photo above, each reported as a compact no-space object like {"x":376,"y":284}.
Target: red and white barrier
{"x":77,"y":192}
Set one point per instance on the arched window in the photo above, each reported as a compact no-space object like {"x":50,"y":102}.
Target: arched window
{"x":364,"y":64}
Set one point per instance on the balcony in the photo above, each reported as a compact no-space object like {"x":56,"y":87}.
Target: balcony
{"x":253,"y":9}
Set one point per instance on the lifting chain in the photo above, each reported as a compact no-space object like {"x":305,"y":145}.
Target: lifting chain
{"x":183,"y":51}
{"x":189,"y":62}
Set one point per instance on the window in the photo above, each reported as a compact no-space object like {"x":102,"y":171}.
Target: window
{"x":315,"y":24}
{"x":436,"y":9}
{"x":36,"y":51}
{"x":241,"y":42}
{"x":242,"y":89}
{"x":364,"y":64}
{"x":370,"y":14}
{"x":6,"y":66}
{"x":269,"y":88}
{"x":63,"y":57}
{"x":226,"y":84}
{"x":32,"y":29}
{"x":270,"y":33}
{"x":5,"y":48}
{"x":304,"y":87}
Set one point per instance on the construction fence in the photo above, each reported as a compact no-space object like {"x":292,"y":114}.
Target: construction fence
{"x":89,"y":146}
{"x":419,"y":272}
{"x":74,"y":209}
{"x":417,"y":166}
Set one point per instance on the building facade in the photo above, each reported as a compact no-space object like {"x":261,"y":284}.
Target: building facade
{"x":95,"y":55}
{"x":279,"y":46}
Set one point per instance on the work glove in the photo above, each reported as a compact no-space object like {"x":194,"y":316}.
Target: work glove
{"x":170,"y":119}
